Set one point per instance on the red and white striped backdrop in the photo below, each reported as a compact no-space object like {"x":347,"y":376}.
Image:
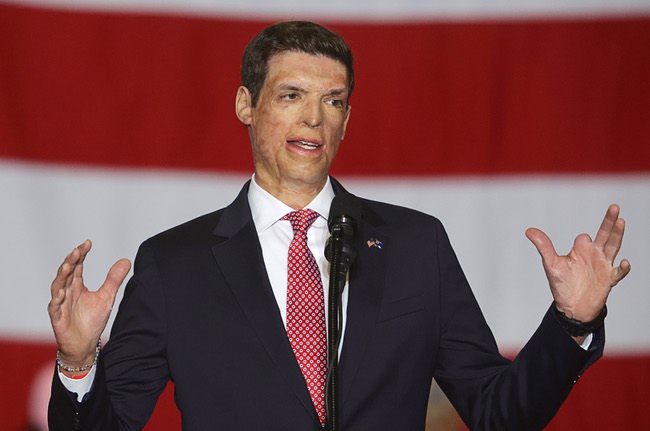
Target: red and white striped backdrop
{"x":116,"y":122}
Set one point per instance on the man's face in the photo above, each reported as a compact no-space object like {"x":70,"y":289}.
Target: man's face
{"x":299,"y":120}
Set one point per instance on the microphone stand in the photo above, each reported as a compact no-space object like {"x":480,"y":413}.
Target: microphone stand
{"x":338,"y":275}
{"x":341,"y":251}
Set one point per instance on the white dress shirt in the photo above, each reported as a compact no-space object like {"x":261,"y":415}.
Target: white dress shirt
{"x":275,"y":237}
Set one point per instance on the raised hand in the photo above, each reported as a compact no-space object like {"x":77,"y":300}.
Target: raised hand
{"x":78,"y":315}
{"x":582,"y":280}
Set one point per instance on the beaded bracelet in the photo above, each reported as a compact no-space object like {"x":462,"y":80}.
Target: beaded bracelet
{"x":80,"y":369}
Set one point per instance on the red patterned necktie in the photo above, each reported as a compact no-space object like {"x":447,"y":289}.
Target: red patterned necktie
{"x":306,"y":309}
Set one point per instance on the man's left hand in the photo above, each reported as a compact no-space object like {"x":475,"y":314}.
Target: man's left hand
{"x":582,"y":280}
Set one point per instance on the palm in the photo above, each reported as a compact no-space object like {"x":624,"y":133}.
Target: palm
{"x":79,"y":315}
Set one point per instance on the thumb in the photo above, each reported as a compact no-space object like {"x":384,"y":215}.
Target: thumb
{"x":543,"y":245}
{"x":115,"y":277}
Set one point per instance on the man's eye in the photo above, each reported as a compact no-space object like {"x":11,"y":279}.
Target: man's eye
{"x":289,"y":96}
{"x":337,"y":103}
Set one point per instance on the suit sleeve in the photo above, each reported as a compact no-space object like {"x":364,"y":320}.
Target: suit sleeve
{"x":488,"y":391}
{"x":132,"y":369}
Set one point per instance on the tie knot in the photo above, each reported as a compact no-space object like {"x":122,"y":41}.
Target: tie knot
{"x":301,"y":220}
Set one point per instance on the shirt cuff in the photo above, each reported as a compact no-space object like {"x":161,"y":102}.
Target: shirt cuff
{"x":587,"y":343}
{"x":79,"y":386}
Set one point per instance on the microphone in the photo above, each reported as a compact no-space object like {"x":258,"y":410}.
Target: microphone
{"x":344,"y":213}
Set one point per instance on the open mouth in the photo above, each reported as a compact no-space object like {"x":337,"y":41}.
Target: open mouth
{"x":306,"y":145}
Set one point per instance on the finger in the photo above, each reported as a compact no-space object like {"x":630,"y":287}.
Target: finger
{"x":64,"y":273}
{"x":613,"y":244}
{"x":78,"y":253}
{"x":607,"y":225}
{"x":85,"y":247}
{"x":63,"y":279}
{"x":76,"y":260}
{"x":581,"y":240}
{"x":543,"y":245}
{"x":115,"y":278}
{"x":60,"y":280}
{"x":83,"y":250}
{"x":71,"y":260}
{"x":54,"y":306}
{"x":622,"y":271}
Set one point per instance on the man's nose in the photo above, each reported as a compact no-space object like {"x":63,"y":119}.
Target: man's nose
{"x":313,"y":114}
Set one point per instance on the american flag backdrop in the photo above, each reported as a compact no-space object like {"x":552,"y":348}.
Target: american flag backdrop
{"x":117,"y":121}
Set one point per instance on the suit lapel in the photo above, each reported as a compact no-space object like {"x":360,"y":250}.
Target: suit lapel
{"x":240,"y":259}
{"x":366,"y":284}
{"x":367,"y":279}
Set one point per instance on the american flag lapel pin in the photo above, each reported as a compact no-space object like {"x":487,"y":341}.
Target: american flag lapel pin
{"x":372,"y":242}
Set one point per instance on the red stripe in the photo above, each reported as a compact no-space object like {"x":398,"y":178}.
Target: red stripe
{"x":432,"y":98}
{"x":611,"y":395}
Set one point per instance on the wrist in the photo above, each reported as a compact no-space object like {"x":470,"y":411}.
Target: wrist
{"x":577,"y":328}
{"x":75,"y":369}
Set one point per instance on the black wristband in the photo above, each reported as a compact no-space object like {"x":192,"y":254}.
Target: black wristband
{"x":577,"y":328}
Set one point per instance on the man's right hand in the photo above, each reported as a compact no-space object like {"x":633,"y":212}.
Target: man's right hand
{"x":78,"y":315}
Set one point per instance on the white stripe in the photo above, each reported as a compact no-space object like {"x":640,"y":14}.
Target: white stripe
{"x":372,"y":10}
{"x":47,"y":210}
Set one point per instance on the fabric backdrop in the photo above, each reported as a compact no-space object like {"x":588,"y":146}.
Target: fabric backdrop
{"x":116,"y":122}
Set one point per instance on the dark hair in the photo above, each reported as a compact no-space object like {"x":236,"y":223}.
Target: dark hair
{"x":297,"y":36}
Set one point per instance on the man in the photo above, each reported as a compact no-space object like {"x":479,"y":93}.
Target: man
{"x":218,"y":306}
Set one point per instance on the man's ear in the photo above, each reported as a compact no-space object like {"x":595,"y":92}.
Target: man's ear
{"x":244,"y":105}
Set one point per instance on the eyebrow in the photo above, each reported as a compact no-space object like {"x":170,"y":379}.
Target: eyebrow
{"x":337,"y":92}
{"x":294,"y":87}
{"x":291,"y":87}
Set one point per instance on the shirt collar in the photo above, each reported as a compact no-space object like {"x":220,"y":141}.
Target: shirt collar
{"x":267,"y":210}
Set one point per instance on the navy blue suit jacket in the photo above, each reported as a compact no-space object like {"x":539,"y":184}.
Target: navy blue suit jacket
{"x":199,"y":310}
